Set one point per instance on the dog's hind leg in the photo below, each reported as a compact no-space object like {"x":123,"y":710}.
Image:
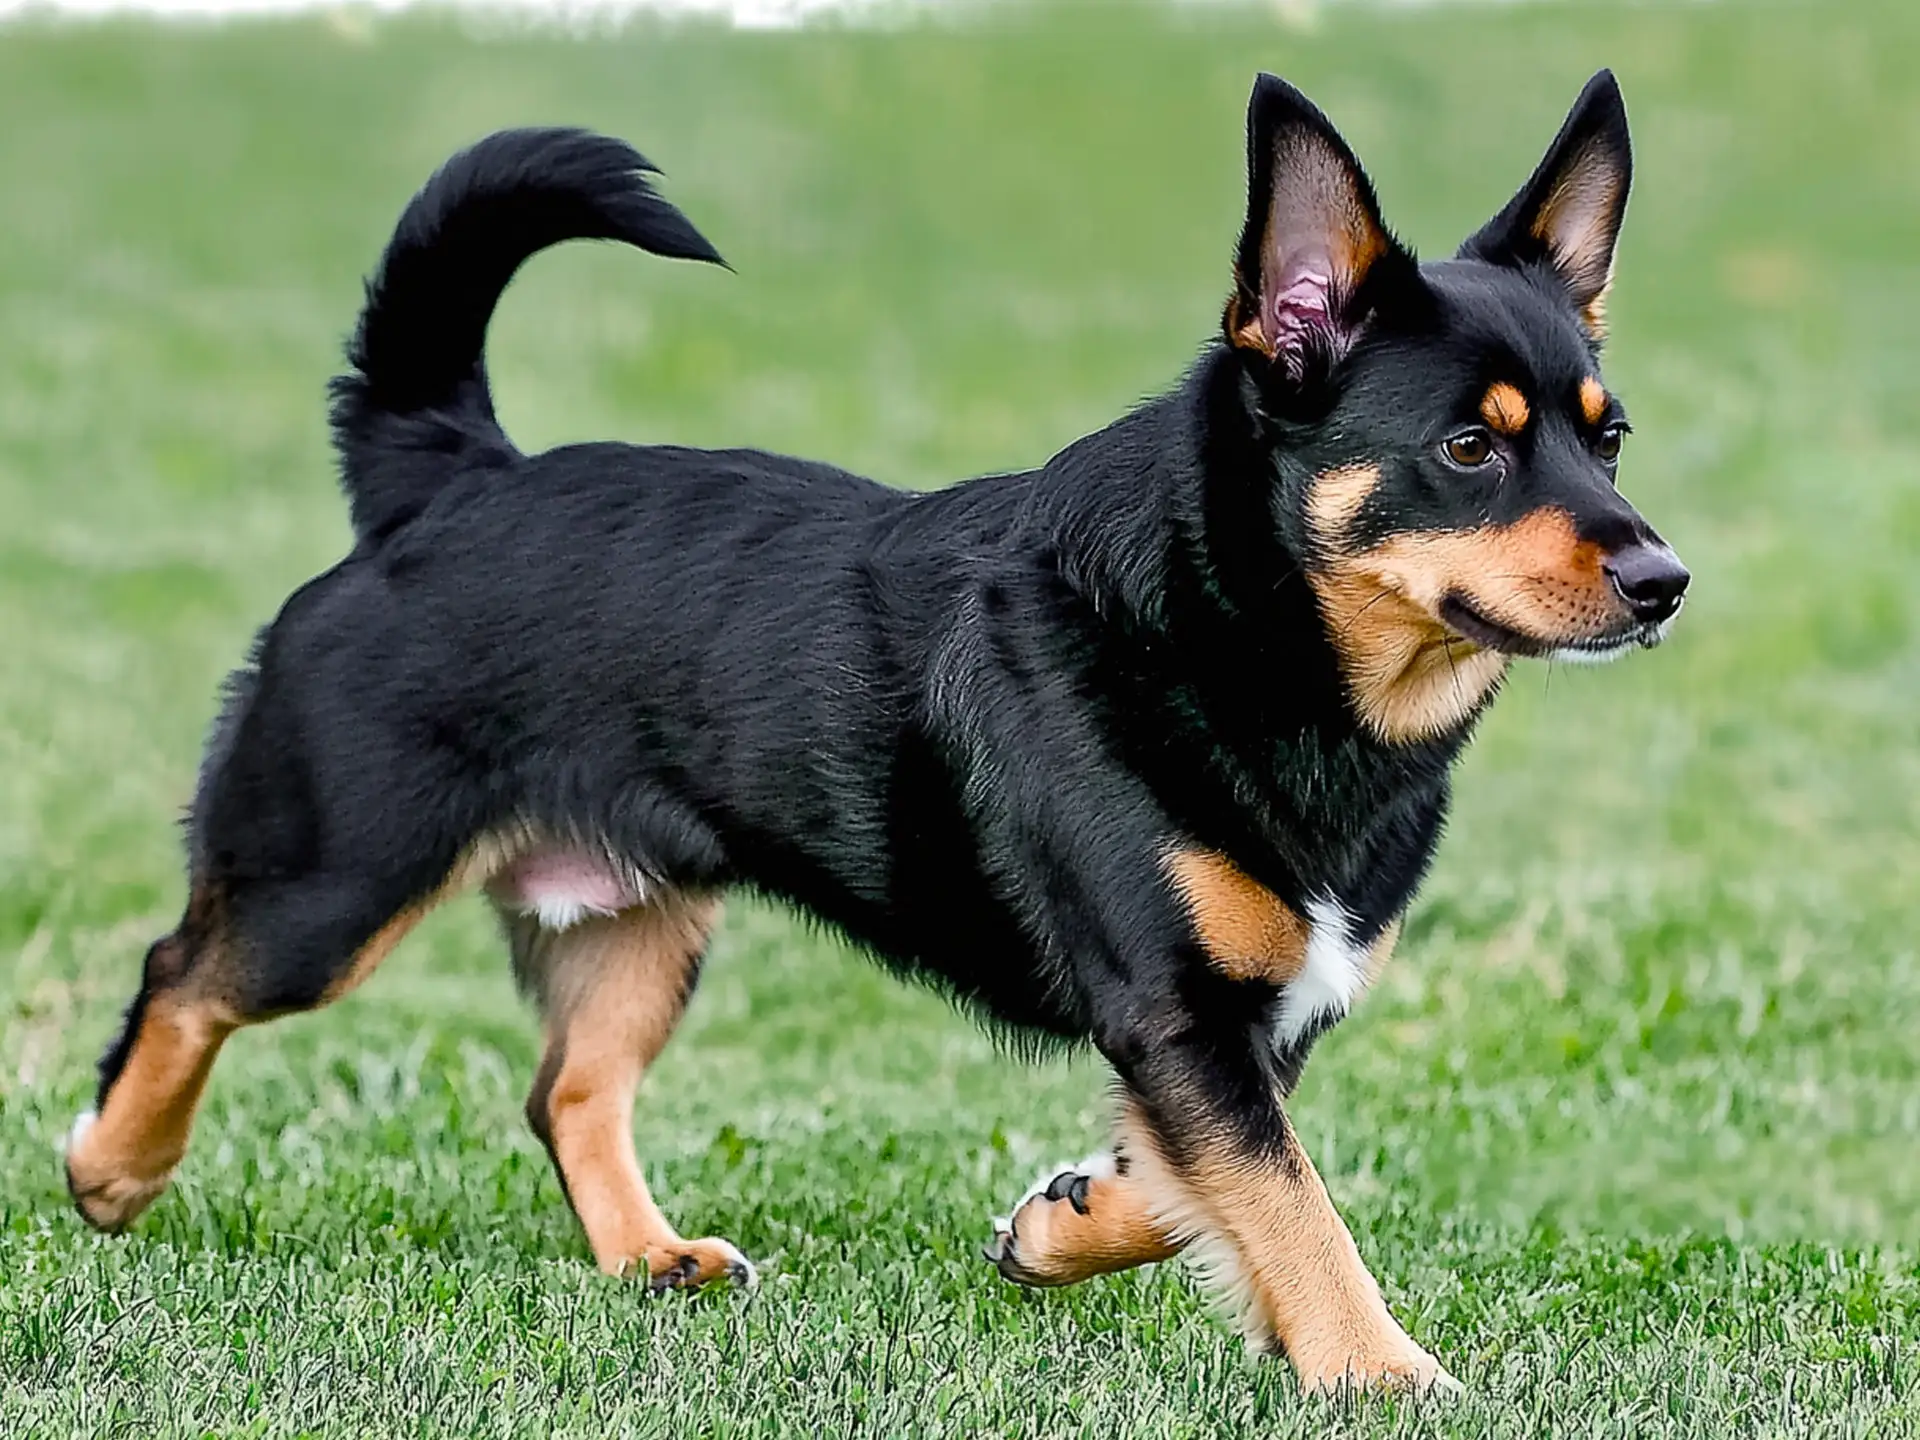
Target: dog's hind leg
{"x":1093,"y":1218}
{"x":611,"y":988}
{"x":121,"y":1154}
{"x":241,"y":954}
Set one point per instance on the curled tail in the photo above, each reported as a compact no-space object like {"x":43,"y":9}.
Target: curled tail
{"x":415,"y":404}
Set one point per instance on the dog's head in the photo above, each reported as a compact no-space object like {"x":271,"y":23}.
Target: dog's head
{"x":1444,"y":446}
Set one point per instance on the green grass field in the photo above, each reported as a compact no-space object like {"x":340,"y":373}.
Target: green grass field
{"x":1631,"y":1129}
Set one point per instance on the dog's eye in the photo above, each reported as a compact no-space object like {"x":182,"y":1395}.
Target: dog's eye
{"x":1470,"y":449}
{"x":1607,"y":447}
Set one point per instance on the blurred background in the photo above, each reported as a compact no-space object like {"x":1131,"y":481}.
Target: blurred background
{"x":1641,"y":1080}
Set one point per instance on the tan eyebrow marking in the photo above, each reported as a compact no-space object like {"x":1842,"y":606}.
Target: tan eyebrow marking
{"x":1593,"y":400}
{"x":1505,"y":408}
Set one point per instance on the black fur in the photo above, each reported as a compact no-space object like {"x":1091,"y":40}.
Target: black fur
{"x":964,"y":728}
{"x":419,"y":383}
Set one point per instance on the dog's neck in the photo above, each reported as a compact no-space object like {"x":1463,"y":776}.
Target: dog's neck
{"x":1228,"y":694}
{"x":1168,"y":530}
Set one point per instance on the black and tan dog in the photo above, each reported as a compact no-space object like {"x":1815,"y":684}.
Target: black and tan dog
{"x":1148,"y":746}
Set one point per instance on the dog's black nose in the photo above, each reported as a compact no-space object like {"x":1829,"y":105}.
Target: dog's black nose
{"x":1651,"y":579}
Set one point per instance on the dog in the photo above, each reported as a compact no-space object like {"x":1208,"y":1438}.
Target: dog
{"x":1148,"y":747}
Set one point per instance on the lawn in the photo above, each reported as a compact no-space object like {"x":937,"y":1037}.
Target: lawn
{"x":1630,"y":1130}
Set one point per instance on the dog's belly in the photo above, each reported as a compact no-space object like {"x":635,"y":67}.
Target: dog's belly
{"x":561,"y":885}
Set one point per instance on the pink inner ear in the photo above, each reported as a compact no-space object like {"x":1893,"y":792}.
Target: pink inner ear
{"x":1298,"y":301}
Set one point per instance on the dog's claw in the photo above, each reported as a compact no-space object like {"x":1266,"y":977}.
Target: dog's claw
{"x":1073,"y":1184}
{"x":675,"y":1276}
{"x":1070,"y":1186}
{"x":999,"y":1247}
{"x":694,"y":1265}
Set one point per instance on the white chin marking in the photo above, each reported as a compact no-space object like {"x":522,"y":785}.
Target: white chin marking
{"x":82,"y":1123}
{"x":1577,"y":655}
{"x":1335,"y":972}
{"x":1601,"y":655}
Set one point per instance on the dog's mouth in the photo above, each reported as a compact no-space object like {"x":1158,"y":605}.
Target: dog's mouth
{"x":1489,"y":634}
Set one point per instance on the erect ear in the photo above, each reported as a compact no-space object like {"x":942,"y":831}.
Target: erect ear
{"x":1568,"y":215}
{"x":1313,"y":235}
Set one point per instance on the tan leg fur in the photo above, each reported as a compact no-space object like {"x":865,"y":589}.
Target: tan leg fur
{"x":1273,"y":1234}
{"x":612,"y":988}
{"x":1092,"y":1219}
{"x":119,"y":1161}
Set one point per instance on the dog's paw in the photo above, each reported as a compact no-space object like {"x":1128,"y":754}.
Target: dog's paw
{"x":1003,"y":1253}
{"x":1026,"y":1245}
{"x":693,"y":1265}
{"x":107,"y":1196}
{"x":1403,"y":1370}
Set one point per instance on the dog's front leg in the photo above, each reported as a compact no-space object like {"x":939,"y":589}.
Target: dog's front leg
{"x":1210,"y":1146}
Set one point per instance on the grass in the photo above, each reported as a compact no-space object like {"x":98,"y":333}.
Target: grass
{"x":1630,"y":1129}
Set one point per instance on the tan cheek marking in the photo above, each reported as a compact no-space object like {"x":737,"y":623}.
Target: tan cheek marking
{"x":1593,"y":400}
{"x":1542,"y":546}
{"x":1505,"y":408}
{"x":1535,"y":576}
{"x":1248,"y":932}
{"x":1410,"y":678}
{"x":1335,"y":497}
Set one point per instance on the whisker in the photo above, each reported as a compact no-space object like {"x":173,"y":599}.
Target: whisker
{"x":1453,"y":668}
{"x":1355,"y":619}
{"x":1523,"y":575}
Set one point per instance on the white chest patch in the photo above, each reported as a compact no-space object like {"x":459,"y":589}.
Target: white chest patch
{"x":1335,"y":972}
